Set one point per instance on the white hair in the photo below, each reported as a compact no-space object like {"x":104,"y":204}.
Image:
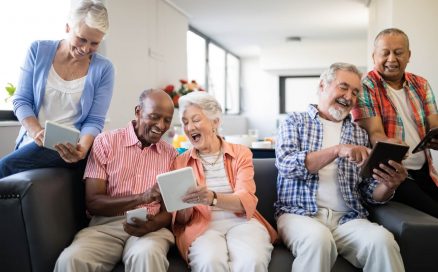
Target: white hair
{"x":92,"y":12}
{"x":329,"y":75}
{"x":206,"y":102}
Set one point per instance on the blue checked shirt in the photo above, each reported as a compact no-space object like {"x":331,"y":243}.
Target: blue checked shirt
{"x":297,"y":189}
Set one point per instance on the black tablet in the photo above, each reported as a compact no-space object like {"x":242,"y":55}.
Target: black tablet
{"x":383,"y":152}
{"x":431,"y":134}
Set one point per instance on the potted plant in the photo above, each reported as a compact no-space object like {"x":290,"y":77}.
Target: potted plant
{"x":8,"y":115}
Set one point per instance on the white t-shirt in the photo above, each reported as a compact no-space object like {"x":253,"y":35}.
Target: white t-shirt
{"x":329,"y":194}
{"x":61,"y":102}
{"x":412,"y":138}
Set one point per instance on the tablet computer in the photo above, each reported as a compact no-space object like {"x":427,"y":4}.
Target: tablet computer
{"x":382,"y":152}
{"x":431,"y":134}
{"x":56,"y":133}
{"x":174,"y":185}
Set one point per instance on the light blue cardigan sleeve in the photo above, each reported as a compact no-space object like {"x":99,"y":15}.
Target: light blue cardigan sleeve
{"x":97,"y":95}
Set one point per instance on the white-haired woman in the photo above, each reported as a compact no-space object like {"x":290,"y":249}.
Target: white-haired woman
{"x":223,"y":232}
{"x":64,"y":81}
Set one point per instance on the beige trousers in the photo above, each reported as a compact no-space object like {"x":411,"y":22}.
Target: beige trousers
{"x":104,"y":243}
{"x":316,"y":241}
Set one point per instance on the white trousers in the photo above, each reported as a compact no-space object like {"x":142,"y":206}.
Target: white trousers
{"x":316,"y":242}
{"x":230,"y":245}
{"x":104,"y":243}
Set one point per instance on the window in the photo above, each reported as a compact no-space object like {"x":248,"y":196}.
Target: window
{"x":297,"y":92}
{"x":22,"y":22}
{"x":214,"y":68}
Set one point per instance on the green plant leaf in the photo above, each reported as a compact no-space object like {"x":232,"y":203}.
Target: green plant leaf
{"x":10,"y":89}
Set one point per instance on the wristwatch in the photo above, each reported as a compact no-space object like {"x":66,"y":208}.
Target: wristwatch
{"x":214,"y":202}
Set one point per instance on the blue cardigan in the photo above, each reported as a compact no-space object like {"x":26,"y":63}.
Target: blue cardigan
{"x":95,"y":99}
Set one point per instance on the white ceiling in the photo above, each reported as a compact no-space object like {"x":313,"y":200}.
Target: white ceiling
{"x":246,"y":26}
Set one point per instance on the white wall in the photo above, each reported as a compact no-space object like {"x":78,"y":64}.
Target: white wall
{"x":260,"y":76}
{"x":147,"y":45}
{"x":418,"y":19}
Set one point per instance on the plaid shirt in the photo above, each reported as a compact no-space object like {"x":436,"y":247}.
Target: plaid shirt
{"x":375,"y":100}
{"x":297,"y":188}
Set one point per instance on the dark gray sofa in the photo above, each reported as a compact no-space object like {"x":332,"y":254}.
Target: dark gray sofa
{"x":43,"y":209}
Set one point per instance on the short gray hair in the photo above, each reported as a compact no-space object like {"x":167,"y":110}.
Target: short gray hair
{"x":92,"y":12}
{"x":206,"y":102}
{"x":329,"y":75}
{"x":393,"y":31}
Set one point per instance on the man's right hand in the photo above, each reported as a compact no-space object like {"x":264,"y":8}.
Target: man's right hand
{"x":153,"y":194}
{"x":355,"y":153}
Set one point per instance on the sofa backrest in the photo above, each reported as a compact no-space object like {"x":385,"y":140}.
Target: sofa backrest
{"x":265,"y":177}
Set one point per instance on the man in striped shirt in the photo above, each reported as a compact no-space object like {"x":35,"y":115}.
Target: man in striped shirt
{"x":120,"y":176}
{"x":401,"y":107}
{"x":319,"y":210}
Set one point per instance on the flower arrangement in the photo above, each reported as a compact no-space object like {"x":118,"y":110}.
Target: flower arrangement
{"x":185,"y":88}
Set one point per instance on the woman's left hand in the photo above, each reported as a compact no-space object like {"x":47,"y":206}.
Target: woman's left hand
{"x":69,"y":153}
{"x":198,"y":195}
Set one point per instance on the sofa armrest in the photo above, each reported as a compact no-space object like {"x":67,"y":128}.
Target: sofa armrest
{"x":415,"y":232}
{"x":42,"y":210}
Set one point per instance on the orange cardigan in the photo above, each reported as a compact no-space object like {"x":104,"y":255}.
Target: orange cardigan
{"x":240,"y":172}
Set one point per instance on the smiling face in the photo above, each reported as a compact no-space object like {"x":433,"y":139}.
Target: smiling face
{"x":83,"y":40}
{"x":338,"y":98}
{"x":200,"y":130}
{"x":391,"y":55}
{"x":153,"y":118}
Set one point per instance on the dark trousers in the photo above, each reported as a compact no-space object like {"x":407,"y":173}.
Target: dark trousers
{"x":419,"y":191}
{"x":32,"y":156}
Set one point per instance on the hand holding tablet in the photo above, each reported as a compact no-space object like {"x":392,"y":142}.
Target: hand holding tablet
{"x":55,"y":133}
{"x":429,"y":141}
{"x":383,"y":152}
{"x":174,"y":185}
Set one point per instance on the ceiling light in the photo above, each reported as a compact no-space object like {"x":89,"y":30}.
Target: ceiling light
{"x":293,"y":39}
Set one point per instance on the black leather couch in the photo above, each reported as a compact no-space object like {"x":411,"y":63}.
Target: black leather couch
{"x":43,"y":209}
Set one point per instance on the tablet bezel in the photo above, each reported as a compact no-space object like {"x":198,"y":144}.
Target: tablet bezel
{"x":174,"y":185}
{"x":55,"y":133}
{"x":382,"y":152}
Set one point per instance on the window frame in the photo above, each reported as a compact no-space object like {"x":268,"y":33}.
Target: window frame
{"x":209,"y":40}
{"x":282,"y":89}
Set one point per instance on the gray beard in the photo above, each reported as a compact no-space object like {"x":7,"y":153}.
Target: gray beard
{"x":338,"y":115}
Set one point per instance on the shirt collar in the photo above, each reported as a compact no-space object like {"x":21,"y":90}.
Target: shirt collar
{"x":226,"y":149}
{"x":132,"y":139}
{"x":406,"y":78}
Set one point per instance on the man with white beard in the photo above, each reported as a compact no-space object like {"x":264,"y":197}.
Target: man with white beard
{"x":319,"y":208}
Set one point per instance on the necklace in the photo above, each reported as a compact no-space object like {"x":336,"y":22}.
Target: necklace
{"x":205,"y":162}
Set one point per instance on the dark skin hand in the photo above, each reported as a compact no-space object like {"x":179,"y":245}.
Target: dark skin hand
{"x":154,"y":223}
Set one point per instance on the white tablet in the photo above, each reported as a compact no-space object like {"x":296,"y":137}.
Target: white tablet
{"x":56,"y":133}
{"x":173,"y":185}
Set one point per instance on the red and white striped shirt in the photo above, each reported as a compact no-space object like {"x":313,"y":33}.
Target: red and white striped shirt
{"x":117,"y":158}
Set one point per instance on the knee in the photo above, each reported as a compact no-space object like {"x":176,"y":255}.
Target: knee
{"x":209,"y":261}
{"x":320,"y":239}
{"x":68,"y":260}
{"x":145,"y":254}
{"x":250,"y":260}
{"x":381,"y":238}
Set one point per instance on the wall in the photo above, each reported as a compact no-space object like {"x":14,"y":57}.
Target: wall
{"x":8,"y":131}
{"x":418,"y":19}
{"x":260,"y":76}
{"x":147,"y":45}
